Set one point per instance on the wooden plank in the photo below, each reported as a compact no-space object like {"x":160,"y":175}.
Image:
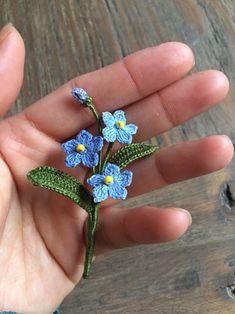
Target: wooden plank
{"x":65,"y":39}
{"x":191,"y":279}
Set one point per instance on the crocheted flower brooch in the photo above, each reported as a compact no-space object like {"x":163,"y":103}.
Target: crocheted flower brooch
{"x":95,"y":152}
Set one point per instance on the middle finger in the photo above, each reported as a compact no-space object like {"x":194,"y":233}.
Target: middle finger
{"x":176,"y":103}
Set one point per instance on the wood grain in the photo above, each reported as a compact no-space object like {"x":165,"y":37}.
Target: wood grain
{"x":66,"y":38}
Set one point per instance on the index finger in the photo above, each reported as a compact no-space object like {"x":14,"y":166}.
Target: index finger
{"x":111,"y":87}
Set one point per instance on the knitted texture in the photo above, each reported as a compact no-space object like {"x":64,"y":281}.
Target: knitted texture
{"x":110,"y":183}
{"x":125,"y":155}
{"x":84,"y":148}
{"x":60,"y":182}
{"x":116,"y":128}
{"x":80,"y":95}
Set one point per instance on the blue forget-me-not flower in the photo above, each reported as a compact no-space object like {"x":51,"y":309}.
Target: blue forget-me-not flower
{"x":116,"y":128}
{"x":80,"y":95}
{"x":111,"y":182}
{"x":84,"y":148}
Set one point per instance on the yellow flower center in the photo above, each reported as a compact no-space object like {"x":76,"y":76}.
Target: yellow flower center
{"x":108,"y":180}
{"x":80,"y":148}
{"x":120,"y":124}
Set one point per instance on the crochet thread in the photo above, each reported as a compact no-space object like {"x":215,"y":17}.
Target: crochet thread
{"x":107,"y":179}
{"x":110,"y":183}
{"x":84,"y":148}
{"x":116,"y":128}
{"x":130,"y":153}
{"x":62,"y":183}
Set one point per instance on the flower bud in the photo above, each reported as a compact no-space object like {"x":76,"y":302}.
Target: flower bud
{"x":80,"y":95}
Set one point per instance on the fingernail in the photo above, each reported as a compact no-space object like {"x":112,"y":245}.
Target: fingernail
{"x":5,"y":31}
{"x":187,"y":214}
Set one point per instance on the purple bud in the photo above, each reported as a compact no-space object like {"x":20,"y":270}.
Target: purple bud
{"x":80,"y":95}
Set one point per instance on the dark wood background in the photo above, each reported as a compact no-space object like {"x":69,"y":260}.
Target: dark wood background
{"x":65,"y":38}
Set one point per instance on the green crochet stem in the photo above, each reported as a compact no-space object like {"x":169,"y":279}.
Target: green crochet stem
{"x":93,"y":216}
{"x":100,"y":161}
{"x":106,"y":158}
{"x":91,"y":106}
{"x":91,"y":232}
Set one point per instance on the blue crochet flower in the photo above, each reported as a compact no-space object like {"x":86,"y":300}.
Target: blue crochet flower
{"x":116,"y":127}
{"x":80,"y":95}
{"x":111,"y":182}
{"x":84,"y":148}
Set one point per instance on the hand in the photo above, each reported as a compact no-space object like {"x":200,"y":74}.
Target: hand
{"x":42,"y":237}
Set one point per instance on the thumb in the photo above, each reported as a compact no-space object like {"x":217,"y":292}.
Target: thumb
{"x":12,"y":55}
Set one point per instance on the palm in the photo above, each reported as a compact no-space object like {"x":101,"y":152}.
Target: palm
{"x":42,"y":234}
{"x":42,"y":245}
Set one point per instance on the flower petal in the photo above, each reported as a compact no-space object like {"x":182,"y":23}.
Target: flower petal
{"x":119,"y":115}
{"x":90,"y":159}
{"x":96,"y":179}
{"x":131,"y":128}
{"x":84,"y":137}
{"x":100,"y":193}
{"x":69,"y":146}
{"x":123,"y":136}
{"x":111,"y":170}
{"x":110,"y":134}
{"x":117,"y":192}
{"x":108,"y":119}
{"x":97,"y":143}
{"x":125,"y":178}
{"x":73,"y":160}
{"x":79,"y":94}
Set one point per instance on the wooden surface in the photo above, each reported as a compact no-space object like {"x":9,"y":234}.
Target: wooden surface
{"x":65,"y":38}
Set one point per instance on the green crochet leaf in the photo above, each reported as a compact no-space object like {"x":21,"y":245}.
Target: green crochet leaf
{"x":62,"y":183}
{"x":125,"y":155}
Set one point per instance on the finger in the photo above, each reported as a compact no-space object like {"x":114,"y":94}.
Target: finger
{"x":12,"y":53}
{"x":177,"y":163}
{"x":112,"y":87}
{"x":180,"y":162}
{"x":6,"y":193}
{"x":120,"y":227}
{"x":177,"y":103}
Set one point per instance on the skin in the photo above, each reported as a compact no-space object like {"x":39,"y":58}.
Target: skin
{"x":42,"y":234}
